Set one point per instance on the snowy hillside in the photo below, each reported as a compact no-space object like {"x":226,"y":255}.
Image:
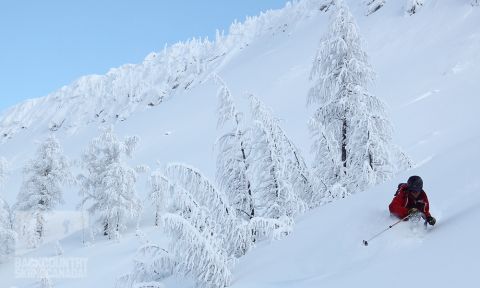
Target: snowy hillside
{"x":174,"y":70}
{"x":427,"y":67}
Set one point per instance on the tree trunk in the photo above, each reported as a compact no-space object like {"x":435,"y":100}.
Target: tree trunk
{"x":344,"y":143}
{"x":118,"y":224}
{"x":105,"y":228}
{"x":39,"y":226}
{"x":244,"y":158}
{"x":157,"y":218}
{"x":370,"y":160}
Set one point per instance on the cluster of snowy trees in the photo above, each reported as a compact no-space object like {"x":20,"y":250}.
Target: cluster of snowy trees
{"x":107,"y":189}
{"x":117,"y":94}
{"x":262,"y":179}
{"x":411,"y":6}
{"x":262,"y":183}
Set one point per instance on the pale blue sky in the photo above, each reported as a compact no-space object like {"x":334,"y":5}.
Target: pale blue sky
{"x":46,"y":44}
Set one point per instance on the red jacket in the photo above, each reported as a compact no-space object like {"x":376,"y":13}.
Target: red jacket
{"x":404,"y":201}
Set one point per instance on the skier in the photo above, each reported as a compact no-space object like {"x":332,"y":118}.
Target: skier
{"x":410,"y":199}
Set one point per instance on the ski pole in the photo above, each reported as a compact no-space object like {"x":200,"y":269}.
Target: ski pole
{"x":365,"y":242}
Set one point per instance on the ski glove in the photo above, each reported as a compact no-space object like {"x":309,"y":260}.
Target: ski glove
{"x":412,"y":211}
{"x":431,"y":220}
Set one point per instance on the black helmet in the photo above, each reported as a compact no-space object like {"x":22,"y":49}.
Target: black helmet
{"x":415,"y":184}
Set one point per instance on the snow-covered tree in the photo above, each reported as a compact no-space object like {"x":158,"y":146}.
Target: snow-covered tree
{"x":207,"y":209}
{"x":475,"y":2}
{"x":196,"y":199}
{"x":3,"y":171}
{"x":158,"y":194}
{"x":109,"y":185}
{"x":201,"y":188}
{"x":235,"y":164}
{"x":44,"y":177}
{"x":350,"y":127}
{"x":234,"y":155}
{"x":374,"y":5}
{"x":206,"y":233}
{"x":7,"y":235}
{"x":413,"y":6}
{"x":201,"y":255}
{"x":299,"y":176}
{"x":272,"y":148}
{"x":200,"y":221}
{"x":151,"y":265}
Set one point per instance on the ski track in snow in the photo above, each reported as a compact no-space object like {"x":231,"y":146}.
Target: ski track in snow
{"x":422,"y":97}
{"x":424,"y":161}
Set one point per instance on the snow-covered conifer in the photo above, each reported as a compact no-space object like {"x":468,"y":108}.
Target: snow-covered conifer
{"x":197,"y":222}
{"x":202,"y":190}
{"x":44,"y":176}
{"x":158,"y":194}
{"x":226,"y":109}
{"x":413,"y":6}
{"x":109,"y":185}
{"x":206,"y":234}
{"x":268,"y":228}
{"x":151,"y":265}
{"x":374,"y":5}
{"x":3,"y":171}
{"x":201,"y":257}
{"x":475,"y":2}
{"x":196,"y":199}
{"x":350,"y":127}
{"x":272,"y":148}
{"x":200,"y":221}
{"x":7,"y":235}
{"x":207,"y":208}
{"x":234,"y":151}
{"x":299,"y":176}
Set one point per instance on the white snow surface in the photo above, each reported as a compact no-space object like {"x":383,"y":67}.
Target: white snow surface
{"x":428,"y":67}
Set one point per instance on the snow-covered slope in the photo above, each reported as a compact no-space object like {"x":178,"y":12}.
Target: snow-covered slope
{"x":136,"y":87}
{"x":427,"y":65}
